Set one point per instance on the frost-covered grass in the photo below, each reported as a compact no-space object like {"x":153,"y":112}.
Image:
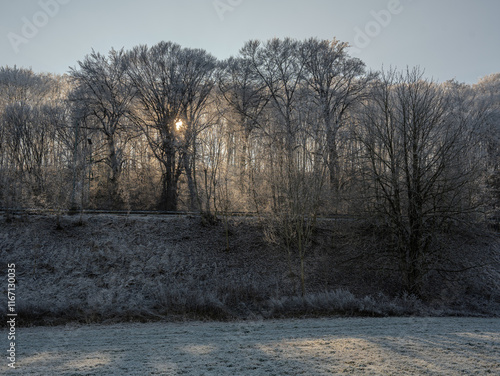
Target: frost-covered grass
{"x":342,"y":346}
{"x":117,"y":268}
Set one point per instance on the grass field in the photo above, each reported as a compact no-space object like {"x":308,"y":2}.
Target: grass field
{"x":342,"y":346}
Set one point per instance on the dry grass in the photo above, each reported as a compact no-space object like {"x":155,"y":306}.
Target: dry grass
{"x":116,"y":268}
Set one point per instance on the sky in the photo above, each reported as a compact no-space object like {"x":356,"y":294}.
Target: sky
{"x":449,"y":39}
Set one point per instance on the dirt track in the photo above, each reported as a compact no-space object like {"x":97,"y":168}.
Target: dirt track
{"x":358,"y":346}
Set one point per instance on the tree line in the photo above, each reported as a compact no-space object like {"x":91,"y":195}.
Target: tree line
{"x":288,"y":130}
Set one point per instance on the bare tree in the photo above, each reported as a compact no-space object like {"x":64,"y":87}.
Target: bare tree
{"x":30,"y":108}
{"x":23,"y":85}
{"x":296,"y":180}
{"x":104,"y":97}
{"x":247,"y":97}
{"x":418,"y":175}
{"x":25,"y":142}
{"x":337,"y":82}
{"x":486,"y":99}
{"x":173,"y":86}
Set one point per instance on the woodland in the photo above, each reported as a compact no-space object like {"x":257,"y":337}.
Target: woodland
{"x":294,"y":134}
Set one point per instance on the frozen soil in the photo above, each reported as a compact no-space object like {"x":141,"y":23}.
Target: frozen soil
{"x":355,"y":346}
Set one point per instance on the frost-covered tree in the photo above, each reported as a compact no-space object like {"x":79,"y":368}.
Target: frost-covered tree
{"x":487,"y":100}
{"x":173,"y":88}
{"x":292,"y":147}
{"x":419,"y":174}
{"x":30,"y":105}
{"x":102,"y":98}
{"x":246,"y":97}
{"x":338,"y":83}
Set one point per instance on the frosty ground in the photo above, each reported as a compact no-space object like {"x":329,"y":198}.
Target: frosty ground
{"x":358,"y":346}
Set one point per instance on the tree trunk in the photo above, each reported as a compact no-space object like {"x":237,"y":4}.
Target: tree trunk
{"x":333,"y":161}
{"x":72,"y":201}
{"x":244,"y":162}
{"x":168,"y":200}
{"x":115,"y":200}
{"x":302,"y":266}
{"x":193,"y":202}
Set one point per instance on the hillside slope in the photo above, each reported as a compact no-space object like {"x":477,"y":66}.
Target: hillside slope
{"x":113,"y":268}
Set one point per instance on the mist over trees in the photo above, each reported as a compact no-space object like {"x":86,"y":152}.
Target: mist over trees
{"x":288,"y":130}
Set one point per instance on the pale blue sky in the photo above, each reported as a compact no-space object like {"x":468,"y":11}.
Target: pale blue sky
{"x":448,"y":38}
